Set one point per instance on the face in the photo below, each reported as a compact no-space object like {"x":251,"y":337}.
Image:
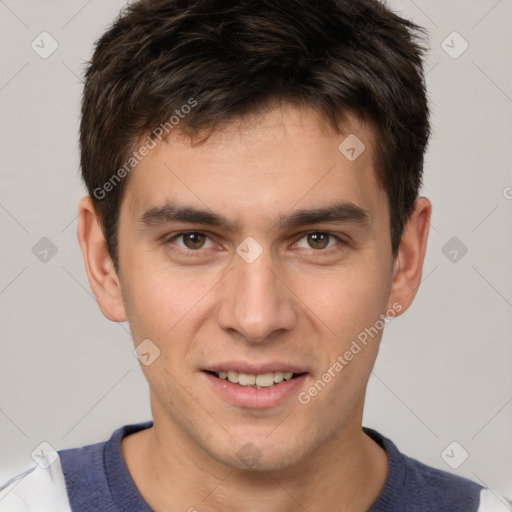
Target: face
{"x":265,"y":252}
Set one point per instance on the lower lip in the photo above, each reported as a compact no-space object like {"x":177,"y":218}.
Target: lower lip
{"x":256,"y":398}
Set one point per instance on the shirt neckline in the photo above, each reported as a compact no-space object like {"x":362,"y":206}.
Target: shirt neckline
{"x":396,"y":477}
{"x":125,"y":494}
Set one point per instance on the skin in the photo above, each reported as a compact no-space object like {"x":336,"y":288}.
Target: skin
{"x":294,"y":303}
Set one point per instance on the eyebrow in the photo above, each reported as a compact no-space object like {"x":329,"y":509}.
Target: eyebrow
{"x":339,"y":213}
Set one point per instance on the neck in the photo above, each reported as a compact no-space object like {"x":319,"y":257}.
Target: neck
{"x":346,"y":473}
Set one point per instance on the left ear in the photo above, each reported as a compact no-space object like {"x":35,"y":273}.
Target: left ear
{"x":411,"y":253}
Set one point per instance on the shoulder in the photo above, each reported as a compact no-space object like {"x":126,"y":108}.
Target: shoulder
{"x":413,"y":486}
{"x":441,"y":485}
{"x":38,"y":489}
{"x":455,"y":492}
{"x":56,"y":480}
{"x":443,"y":491}
{"x":61,"y":481}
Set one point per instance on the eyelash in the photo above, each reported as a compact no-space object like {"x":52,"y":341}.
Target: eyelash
{"x":195,"y":253}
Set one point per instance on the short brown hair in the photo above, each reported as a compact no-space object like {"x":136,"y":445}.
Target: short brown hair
{"x":235,"y":57}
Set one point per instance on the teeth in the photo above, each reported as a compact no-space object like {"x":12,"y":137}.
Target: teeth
{"x":232,"y":377}
{"x":262,"y":380}
{"x":244,"y":379}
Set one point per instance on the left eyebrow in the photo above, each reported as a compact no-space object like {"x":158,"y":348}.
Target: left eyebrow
{"x":339,"y":213}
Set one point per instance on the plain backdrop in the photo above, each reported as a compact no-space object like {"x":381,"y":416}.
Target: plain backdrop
{"x":68,"y":376}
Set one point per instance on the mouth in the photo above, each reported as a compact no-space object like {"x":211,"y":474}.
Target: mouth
{"x":249,"y":385}
{"x":254,"y":381}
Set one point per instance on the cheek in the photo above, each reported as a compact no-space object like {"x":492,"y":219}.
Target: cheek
{"x":349,"y":305}
{"x":151,"y":310}
{"x":159,"y":296}
{"x":168,"y":309}
{"x":346,"y":300}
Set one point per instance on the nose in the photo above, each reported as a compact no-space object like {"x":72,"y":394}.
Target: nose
{"x":255,"y":302}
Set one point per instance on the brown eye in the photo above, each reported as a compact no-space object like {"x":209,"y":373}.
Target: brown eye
{"x":318,"y":240}
{"x":193,"y":240}
{"x":191,"y":244}
{"x":321,"y":241}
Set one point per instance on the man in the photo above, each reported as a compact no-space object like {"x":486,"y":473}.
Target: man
{"x":253,"y":170}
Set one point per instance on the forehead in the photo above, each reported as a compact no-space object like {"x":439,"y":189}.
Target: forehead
{"x":260,"y":166}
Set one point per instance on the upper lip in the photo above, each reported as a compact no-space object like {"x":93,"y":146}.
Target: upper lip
{"x":254,"y":368}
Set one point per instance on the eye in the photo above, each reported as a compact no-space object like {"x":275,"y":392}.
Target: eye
{"x":319,"y":240}
{"x":194,"y":241}
{"x":191,"y":240}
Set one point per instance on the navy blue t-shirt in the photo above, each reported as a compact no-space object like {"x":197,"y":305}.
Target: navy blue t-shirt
{"x":97,"y":479}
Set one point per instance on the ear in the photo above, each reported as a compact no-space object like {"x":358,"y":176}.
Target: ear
{"x":411,"y":253}
{"x":101,"y":273}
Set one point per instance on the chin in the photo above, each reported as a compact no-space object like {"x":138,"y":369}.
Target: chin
{"x":261,"y":452}
{"x":262,"y":461}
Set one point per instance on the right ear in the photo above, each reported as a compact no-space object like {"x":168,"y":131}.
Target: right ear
{"x":103,"y":278}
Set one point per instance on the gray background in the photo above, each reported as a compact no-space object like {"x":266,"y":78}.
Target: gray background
{"x":68,"y":376}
